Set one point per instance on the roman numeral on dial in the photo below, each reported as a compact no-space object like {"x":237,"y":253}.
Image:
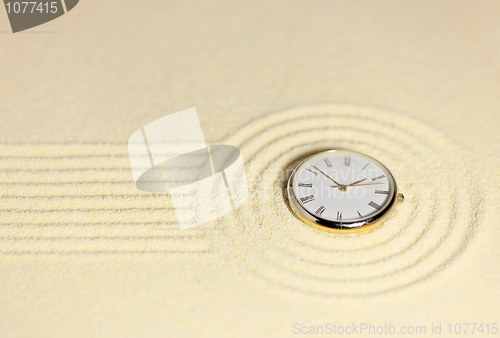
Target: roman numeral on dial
{"x":384,"y":192}
{"x":320,"y":210}
{"x":374,"y":205}
{"x":328,"y":164}
{"x":378,"y":177}
{"x":307,"y":199}
{"x":315,"y":173}
{"x":339,"y":216}
{"x":347,"y":161}
{"x":305,"y":185}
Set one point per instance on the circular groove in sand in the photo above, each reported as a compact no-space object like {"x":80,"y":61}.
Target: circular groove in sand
{"x":280,"y":248}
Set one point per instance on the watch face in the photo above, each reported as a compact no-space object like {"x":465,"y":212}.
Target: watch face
{"x":341,"y":191}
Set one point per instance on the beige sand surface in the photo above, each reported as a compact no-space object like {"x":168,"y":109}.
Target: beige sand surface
{"x":413,"y":83}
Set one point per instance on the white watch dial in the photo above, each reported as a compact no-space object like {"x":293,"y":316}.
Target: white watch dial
{"x":343,"y":187}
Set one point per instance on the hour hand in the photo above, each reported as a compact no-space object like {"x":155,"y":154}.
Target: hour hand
{"x":340,"y":185}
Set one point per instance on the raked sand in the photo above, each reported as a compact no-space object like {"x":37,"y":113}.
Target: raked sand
{"x":85,"y":254}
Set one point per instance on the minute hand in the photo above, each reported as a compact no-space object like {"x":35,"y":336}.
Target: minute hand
{"x":357,"y":182}
{"x":357,"y":185}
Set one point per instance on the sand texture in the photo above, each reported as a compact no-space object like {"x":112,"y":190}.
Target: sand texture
{"x":83,"y":253}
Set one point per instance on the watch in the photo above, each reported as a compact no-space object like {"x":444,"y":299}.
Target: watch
{"x":342,"y":191}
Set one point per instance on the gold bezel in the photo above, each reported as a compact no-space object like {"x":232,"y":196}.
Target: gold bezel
{"x":344,"y":227}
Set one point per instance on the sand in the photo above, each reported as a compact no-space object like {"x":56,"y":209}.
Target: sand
{"x":83,"y":253}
